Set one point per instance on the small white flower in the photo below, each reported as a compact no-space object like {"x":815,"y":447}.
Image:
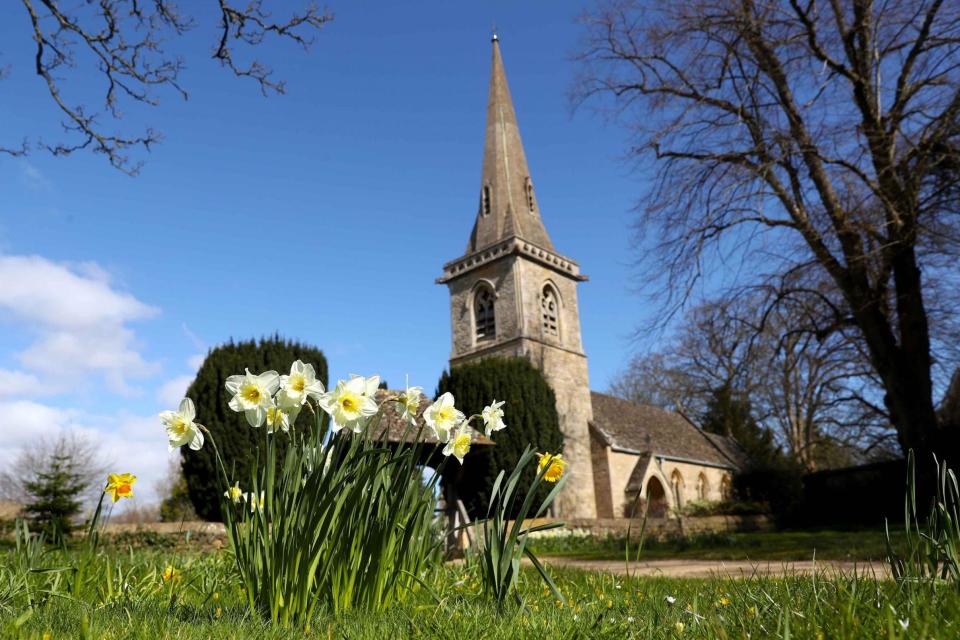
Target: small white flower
{"x":253,"y":395}
{"x":351,"y":403}
{"x":443,"y":417}
{"x":458,"y":445}
{"x":234,"y":493}
{"x":671,"y":600}
{"x":301,"y":384}
{"x":410,"y":402}
{"x":181,"y":429}
{"x":630,"y":619}
{"x":255,"y":501}
{"x":280,"y":418}
{"x":493,"y":418}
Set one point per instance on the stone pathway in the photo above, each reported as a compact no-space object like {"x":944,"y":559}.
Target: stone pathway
{"x":726,"y":568}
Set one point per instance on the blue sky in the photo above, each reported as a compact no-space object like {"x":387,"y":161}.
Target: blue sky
{"x":324,"y":215}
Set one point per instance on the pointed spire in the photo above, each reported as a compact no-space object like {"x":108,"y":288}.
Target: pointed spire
{"x":508,"y":206}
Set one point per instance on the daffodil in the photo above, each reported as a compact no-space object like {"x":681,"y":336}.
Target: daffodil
{"x":253,"y":395}
{"x":256,"y":502}
{"x":351,"y":403}
{"x":410,"y":402}
{"x":281,"y":418}
{"x":493,"y":418}
{"x":443,"y":417}
{"x":301,"y":384}
{"x":181,"y":429}
{"x":169,"y":573}
{"x":555,"y":466}
{"x":120,"y":485}
{"x":458,"y":445}
{"x":234,"y":494}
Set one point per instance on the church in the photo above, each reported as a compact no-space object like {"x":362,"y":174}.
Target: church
{"x":512,"y":293}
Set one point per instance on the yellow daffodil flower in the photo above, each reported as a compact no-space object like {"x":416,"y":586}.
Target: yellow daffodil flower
{"x":493,"y":418}
{"x":120,"y":485}
{"x":351,"y":403}
{"x":458,"y":445}
{"x":234,"y":493}
{"x":301,"y":384}
{"x":555,"y":466}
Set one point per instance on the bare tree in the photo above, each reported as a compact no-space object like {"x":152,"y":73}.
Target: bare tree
{"x":123,"y":41}
{"x":802,"y":135}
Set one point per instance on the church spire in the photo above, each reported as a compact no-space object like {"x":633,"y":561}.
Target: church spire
{"x":508,"y":206}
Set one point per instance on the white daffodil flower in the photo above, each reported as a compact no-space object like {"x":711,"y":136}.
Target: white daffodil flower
{"x":459,"y":444}
{"x":301,"y":384}
{"x":181,"y":429}
{"x":234,"y":494}
{"x":253,"y":395}
{"x":351,"y":403}
{"x":255,"y":501}
{"x":493,"y":418}
{"x":443,"y":417}
{"x":281,"y":418}
{"x":410,"y":402}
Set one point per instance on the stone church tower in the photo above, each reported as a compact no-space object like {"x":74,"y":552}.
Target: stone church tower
{"x":513,"y":294}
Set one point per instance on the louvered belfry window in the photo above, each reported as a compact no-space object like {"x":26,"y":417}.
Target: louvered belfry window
{"x":548,"y":311}
{"x":483,"y":313}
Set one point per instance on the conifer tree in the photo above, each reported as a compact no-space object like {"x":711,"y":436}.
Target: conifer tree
{"x":55,"y":493}
{"x":238,"y":442}
{"x":530,"y":414}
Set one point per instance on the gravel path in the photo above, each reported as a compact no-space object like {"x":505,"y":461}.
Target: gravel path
{"x":728,"y":568}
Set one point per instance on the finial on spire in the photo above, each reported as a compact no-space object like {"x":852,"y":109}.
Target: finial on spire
{"x":493,"y":36}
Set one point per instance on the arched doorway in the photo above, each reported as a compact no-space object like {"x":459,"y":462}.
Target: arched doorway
{"x":656,"y":498}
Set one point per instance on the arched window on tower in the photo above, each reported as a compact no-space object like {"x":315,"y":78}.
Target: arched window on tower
{"x":550,"y":311}
{"x":483,"y":314}
{"x":528,"y":189}
{"x":485,"y":200}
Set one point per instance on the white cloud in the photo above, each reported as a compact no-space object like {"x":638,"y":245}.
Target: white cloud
{"x":172,"y":392}
{"x":135,"y":444}
{"x":33,"y":178}
{"x":79,"y":320}
{"x":196,"y":361}
{"x":18,"y":383}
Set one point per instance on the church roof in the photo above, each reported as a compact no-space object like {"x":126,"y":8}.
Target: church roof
{"x":508,"y":205}
{"x":650,"y":431}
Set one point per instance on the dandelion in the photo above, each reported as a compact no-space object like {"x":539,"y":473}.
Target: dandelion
{"x":181,"y":429}
{"x":218,"y":612}
{"x":234,"y":494}
{"x":493,"y":418}
{"x":555,"y":466}
{"x":120,"y":485}
{"x":253,"y":395}
{"x":351,"y":403}
{"x":724,"y":601}
{"x":410,"y":402}
{"x":459,"y":445}
{"x":169,"y":573}
{"x":443,"y":417}
{"x":752,"y":612}
{"x":679,"y":626}
{"x":301,"y":384}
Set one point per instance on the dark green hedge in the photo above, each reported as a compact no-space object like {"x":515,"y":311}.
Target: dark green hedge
{"x":530,"y":413}
{"x":237,"y":440}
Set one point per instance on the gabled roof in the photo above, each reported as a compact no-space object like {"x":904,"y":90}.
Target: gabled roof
{"x":393,"y":420}
{"x":646,"y":430}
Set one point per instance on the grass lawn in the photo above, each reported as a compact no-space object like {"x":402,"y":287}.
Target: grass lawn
{"x":780,"y":545}
{"x":122,"y":594}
